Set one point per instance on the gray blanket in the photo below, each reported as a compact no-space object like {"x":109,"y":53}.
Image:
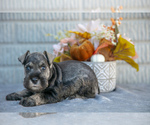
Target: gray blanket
{"x":126,"y":98}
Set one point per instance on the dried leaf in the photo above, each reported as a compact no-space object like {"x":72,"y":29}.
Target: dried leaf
{"x":105,"y":41}
{"x":107,"y":53}
{"x":100,"y":47}
{"x":105,"y":48}
{"x":128,"y":60}
{"x":65,"y":57}
{"x":62,"y":57}
{"x":85,"y":35}
{"x":123,"y":50}
{"x":57,"y":59}
{"x":124,"y":47}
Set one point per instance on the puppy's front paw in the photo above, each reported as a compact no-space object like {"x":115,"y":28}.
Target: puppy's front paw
{"x":13,"y":96}
{"x":27,"y":102}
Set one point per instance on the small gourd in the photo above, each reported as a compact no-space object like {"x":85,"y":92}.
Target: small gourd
{"x":98,"y":58}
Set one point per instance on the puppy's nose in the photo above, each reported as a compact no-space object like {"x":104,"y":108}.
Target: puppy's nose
{"x":34,"y":80}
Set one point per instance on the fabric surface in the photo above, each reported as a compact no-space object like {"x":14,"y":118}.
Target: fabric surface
{"x":126,"y":98}
{"x":74,"y":118}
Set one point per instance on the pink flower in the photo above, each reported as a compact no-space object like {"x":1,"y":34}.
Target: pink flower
{"x":63,"y":45}
{"x":136,"y":56}
{"x":89,"y":27}
{"x":71,"y":41}
{"x":127,"y":38}
{"x":58,"y":49}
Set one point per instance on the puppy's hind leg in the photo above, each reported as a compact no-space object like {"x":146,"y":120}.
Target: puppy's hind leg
{"x":89,"y":89}
{"x":79,"y":87}
{"x":72,"y":86}
{"x":18,"y":95}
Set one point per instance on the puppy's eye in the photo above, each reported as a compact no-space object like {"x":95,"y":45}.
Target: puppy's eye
{"x":28,"y":68}
{"x":43,"y":67}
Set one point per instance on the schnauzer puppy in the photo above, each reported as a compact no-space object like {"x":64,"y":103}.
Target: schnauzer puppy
{"x":49,"y":82}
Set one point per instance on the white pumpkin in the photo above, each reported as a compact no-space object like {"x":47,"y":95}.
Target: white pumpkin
{"x":98,"y":58}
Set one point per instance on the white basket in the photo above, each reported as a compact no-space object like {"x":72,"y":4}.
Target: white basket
{"x":105,"y":73}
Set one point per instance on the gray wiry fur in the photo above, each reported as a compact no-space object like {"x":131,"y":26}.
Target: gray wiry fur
{"x":55,"y":82}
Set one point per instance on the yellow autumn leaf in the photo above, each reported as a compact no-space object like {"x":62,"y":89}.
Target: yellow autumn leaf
{"x":124,"y":47}
{"x":62,"y":57}
{"x":85,"y":35}
{"x":65,"y":57}
{"x":57,"y":59}
{"x":123,"y":50}
{"x":128,"y":60}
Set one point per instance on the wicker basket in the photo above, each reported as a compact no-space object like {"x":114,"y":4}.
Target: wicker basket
{"x":106,"y":74}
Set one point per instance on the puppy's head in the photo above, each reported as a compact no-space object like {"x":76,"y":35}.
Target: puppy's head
{"x":38,"y":70}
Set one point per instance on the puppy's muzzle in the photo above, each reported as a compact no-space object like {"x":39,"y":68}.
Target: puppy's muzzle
{"x":34,"y":80}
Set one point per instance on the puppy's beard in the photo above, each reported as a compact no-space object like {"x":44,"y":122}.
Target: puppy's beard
{"x":38,"y":87}
{"x":35,"y":87}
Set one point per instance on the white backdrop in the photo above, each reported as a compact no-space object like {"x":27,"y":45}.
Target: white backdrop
{"x":25,"y":23}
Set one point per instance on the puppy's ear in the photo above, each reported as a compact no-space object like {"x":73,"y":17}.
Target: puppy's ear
{"x":24,"y":57}
{"x":49,"y":58}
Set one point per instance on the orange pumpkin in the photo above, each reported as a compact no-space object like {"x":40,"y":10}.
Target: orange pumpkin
{"x":82,"y":52}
